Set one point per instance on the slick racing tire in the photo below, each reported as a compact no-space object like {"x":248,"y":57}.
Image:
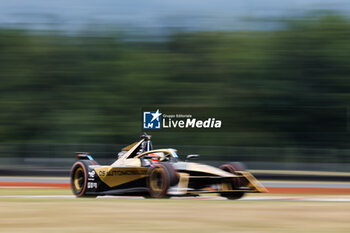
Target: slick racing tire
{"x":237,"y":182}
{"x":174,"y":177}
{"x":78,"y":177}
{"x":234,"y":168}
{"x":159,"y":179}
{"x":233,"y":196}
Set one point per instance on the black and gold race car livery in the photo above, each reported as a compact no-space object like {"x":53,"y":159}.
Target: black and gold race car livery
{"x":139,"y":170}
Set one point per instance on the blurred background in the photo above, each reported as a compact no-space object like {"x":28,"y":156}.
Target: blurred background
{"x":75,"y":75}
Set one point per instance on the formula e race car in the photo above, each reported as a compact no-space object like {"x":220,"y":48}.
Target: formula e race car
{"x":141,"y":171}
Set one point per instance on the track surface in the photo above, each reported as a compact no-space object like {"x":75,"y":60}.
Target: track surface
{"x":277,"y":187}
{"x":69,"y":215}
{"x":273,"y":184}
{"x":214,"y":198}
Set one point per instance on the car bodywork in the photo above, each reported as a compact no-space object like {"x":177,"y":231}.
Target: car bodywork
{"x":131,"y":174}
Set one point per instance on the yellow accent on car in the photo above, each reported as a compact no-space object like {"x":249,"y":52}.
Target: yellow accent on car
{"x":154,"y":180}
{"x":77,"y":175}
{"x":114,"y":176}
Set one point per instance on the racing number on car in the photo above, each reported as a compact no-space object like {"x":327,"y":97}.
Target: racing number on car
{"x":91,"y":185}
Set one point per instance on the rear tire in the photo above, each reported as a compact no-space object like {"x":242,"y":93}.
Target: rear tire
{"x":79,"y":175}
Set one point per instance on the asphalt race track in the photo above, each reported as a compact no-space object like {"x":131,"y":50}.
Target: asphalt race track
{"x":282,"y":188}
{"x":42,"y":181}
{"x":273,"y":186}
{"x":209,"y":198}
{"x":32,"y":204}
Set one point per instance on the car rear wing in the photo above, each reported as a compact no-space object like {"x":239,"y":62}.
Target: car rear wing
{"x":83,"y":156}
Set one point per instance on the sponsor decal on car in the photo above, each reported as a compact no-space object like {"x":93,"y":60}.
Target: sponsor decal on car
{"x":92,"y":173}
{"x":124,"y":172}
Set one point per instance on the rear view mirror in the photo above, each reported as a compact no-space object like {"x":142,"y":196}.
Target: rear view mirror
{"x":188,"y":157}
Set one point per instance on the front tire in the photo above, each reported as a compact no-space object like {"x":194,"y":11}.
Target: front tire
{"x":160,"y":178}
{"x":232,"y":196}
{"x":237,"y":182}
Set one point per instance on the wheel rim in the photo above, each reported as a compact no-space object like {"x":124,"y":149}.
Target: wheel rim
{"x":78,"y":179}
{"x":157,"y":181}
